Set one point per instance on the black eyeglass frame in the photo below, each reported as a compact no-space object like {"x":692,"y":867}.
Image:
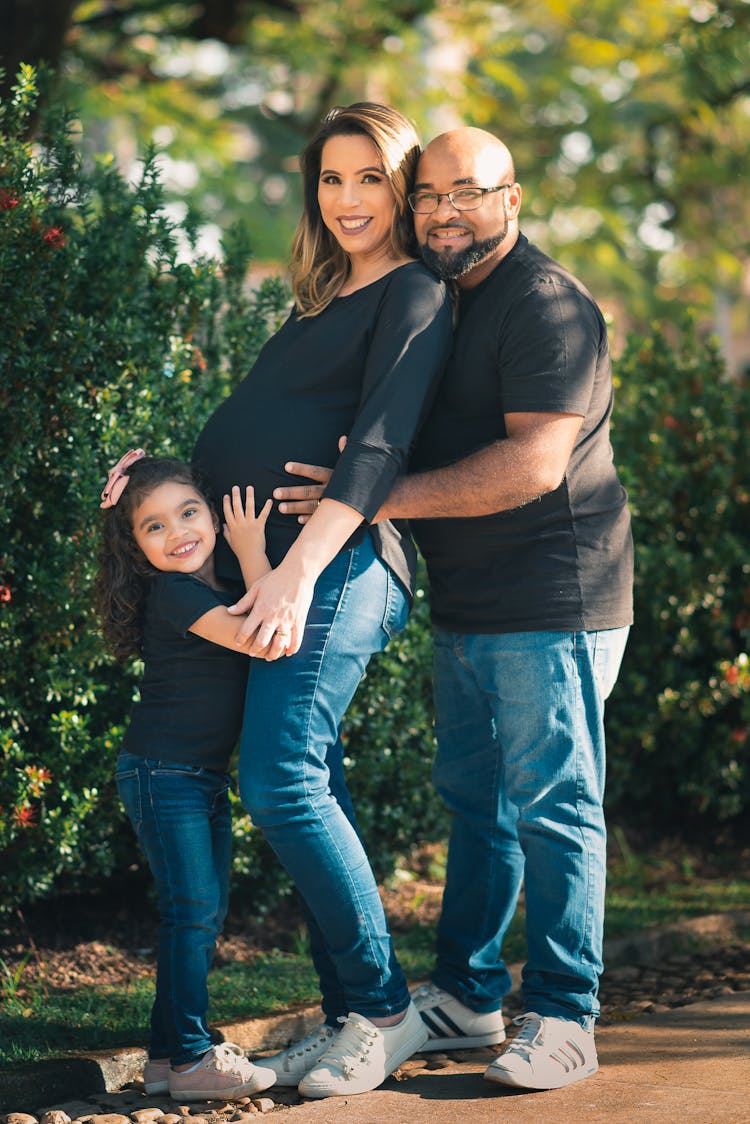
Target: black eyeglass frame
{"x":438,"y":195}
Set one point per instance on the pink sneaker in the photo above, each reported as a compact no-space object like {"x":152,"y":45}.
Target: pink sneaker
{"x":156,"y":1077}
{"x":222,"y":1074}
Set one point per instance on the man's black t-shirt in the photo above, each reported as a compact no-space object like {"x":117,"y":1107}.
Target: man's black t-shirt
{"x":531,"y":339}
{"x":193,"y":691}
{"x":366,"y":367}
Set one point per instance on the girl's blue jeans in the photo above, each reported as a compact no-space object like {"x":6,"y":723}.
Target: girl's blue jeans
{"x":292,"y":780}
{"x":182,"y":817}
{"x":520,"y":763}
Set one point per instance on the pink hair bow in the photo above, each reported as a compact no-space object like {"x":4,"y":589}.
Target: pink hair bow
{"x":117,"y":480}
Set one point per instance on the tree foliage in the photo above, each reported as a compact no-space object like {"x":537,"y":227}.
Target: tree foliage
{"x":634,"y":122}
{"x":630,"y":122}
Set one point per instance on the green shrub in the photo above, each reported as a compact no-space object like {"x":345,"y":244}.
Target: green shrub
{"x":109,"y":340}
{"x":679,"y":722}
{"x":389,"y":740}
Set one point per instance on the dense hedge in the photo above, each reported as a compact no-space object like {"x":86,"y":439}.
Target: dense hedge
{"x":679,"y":723}
{"x":108,"y":340}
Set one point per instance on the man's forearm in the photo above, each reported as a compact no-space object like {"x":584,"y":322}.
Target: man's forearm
{"x":509,"y":473}
{"x":501,"y":477}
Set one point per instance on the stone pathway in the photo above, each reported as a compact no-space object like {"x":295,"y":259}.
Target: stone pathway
{"x":659,"y":984}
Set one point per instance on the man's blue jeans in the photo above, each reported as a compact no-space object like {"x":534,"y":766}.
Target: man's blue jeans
{"x":520,"y":763}
{"x":183,"y":820}
{"x":292,"y":780}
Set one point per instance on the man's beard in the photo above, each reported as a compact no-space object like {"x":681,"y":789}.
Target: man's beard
{"x":448,"y":264}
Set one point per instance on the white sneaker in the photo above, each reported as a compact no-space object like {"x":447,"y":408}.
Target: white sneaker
{"x":453,"y":1026}
{"x":224,"y":1073}
{"x":291,"y":1065}
{"x":362,"y":1055}
{"x":547,"y":1053}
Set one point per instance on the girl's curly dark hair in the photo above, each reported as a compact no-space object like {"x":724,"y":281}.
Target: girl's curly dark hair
{"x":123,"y":574}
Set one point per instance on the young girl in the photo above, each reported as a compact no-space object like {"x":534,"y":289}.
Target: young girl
{"x":158,"y":598}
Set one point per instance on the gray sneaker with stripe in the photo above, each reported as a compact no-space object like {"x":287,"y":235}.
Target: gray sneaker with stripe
{"x":453,"y":1026}
{"x":546,"y":1053}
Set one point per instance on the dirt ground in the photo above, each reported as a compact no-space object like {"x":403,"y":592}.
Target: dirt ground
{"x":110,"y":938}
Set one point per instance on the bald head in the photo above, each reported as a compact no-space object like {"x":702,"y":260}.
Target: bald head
{"x":463,"y":233}
{"x":487,"y":155}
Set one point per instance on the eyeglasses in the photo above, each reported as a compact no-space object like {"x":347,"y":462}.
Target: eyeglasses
{"x":463,"y":198}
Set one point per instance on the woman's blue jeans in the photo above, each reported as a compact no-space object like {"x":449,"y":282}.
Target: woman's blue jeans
{"x":292,"y":780}
{"x":183,"y":820}
{"x":520,"y":763}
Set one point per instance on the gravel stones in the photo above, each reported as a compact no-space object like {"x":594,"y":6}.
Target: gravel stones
{"x":135,"y":1111}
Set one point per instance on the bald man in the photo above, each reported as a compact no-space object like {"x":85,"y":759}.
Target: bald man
{"x":515,"y":504}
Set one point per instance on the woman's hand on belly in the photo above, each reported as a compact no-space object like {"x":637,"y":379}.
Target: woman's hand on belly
{"x":277,"y":606}
{"x":278,"y":603}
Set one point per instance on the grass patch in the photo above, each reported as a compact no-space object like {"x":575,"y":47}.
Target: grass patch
{"x":670,"y":883}
{"x":38,"y":1021}
{"x":46,"y":1021}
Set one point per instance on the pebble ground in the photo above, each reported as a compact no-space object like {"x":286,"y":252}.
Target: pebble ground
{"x":627,"y":991}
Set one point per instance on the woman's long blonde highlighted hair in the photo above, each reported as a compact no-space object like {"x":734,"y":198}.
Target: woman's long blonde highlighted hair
{"x":319,"y":267}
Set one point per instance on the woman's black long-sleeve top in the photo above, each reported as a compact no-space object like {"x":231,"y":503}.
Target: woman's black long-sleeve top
{"x":367,"y":367}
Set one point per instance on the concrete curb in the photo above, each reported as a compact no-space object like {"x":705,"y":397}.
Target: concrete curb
{"x":649,"y":946}
{"x":80,"y":1075}
{"x":41,"y":1083}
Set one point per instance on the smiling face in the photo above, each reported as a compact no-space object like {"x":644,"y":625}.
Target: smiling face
{"x":467,"y":245}
{"x":355,"y":197}
{"x":176,"y":530}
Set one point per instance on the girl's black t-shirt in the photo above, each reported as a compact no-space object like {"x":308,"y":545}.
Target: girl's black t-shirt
{"x":192,"y":694}
{"x":367,"y":367}
{"x":529,"y":339}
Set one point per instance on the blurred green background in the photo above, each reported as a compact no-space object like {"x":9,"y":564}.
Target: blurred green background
{"x":127,"y":316}
{"x":629,"y":120}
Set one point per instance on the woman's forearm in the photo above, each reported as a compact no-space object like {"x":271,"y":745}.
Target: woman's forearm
{"x":330,"y":526}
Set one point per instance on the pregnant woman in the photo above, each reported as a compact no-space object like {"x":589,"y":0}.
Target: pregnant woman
{"x":360,"y":354}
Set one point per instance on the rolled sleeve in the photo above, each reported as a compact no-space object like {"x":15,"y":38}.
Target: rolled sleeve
{"x":363,"y":478}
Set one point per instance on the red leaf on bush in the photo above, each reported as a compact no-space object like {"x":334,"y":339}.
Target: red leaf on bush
{"x":24,"y":815}
{"x":54,"y":237}
{"x":7,"y":200}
